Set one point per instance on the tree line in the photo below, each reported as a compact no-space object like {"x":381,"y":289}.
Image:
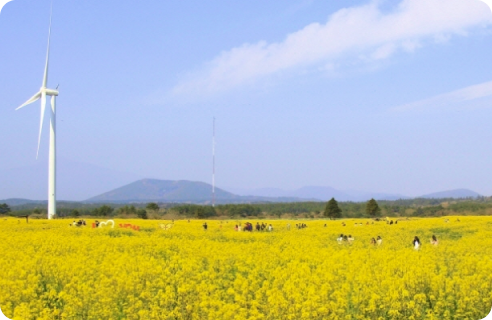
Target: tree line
{"x":331,"y":209}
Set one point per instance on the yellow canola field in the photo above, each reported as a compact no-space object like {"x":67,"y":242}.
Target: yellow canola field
{"x":52,"y":271}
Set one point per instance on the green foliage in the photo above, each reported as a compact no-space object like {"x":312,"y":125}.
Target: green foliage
{"x":103,"y":211}
{"x":470,"y":206}
{"x":294,"y":208}
{"x":4,"y":208}
{"x":239,"y":210}
{"x":372,"y":208}
{"x":397,"y":208}
{"x":277,"y":213}
{"x":127,"y":210}
{"x":434,"y":210}
{"x":419,"y":212}
{"x":152,"y":206}
{"x":191,"y":210}
{"x":332,"y":210}
{"x":142,"y":213}
{"x":75,"y":213}
{"x":199,"y":213}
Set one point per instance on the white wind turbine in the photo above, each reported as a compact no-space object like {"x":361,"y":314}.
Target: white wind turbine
{"x":43,"y":92}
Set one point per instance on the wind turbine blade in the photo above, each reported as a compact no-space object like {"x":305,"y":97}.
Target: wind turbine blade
{"x":45,"y":78}
{"x":31,"y":100}
{"x":41,"y":119}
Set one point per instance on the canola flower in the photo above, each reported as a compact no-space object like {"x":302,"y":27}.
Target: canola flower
{"x":52,"y":271}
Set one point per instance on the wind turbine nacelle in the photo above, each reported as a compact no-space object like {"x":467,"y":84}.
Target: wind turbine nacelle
{"x":51,"y":92}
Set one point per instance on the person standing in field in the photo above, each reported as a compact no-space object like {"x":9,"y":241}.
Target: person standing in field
{"x":350,"y":239}
{"x":379,"y":240}
{"x":434,"y":240}
{"x":340,"y":239}
{"x":205,"y":226}
{"x":270,"y":228}
{"x":373,"y":241}
{"x":416,"y":243}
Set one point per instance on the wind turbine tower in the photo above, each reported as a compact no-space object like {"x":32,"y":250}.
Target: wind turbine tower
{"x":43,"y":92}
{"x":213,"y":165}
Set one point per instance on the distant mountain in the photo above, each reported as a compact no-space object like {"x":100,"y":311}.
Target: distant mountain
{"x":162,"y":191}
{"x":358,"y":196}
{"x":183,"y":191}
{"x":318,"y":193}
{"x":17,"y":201}
{"x":78,"y":181}
{"x":308,"y":193}
{"x":75,"y":180}
{"x":261,"y":192}
{"x":457,"y":193}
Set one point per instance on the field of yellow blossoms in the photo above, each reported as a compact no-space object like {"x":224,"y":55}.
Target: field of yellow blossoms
{"x":50,"y":270}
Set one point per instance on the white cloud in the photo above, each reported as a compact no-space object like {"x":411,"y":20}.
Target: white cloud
{"x":449,"y":99}
{"x":363,"y":31}
{"x":410,"y":45}
{"x":384,"y":51}
{"x":2,"y":3}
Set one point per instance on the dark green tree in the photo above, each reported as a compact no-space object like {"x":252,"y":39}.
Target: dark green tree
{"x":152,"y":206}
{"x":127,"y":210}
{"x":103,"y":211}
{"x":419,"y":212}
{"x":75,"y":213}
{"x":142,"y":213}
{"x":200,"y":212}
{"x":277,"y":212}
{"x":4,"y":208}
{"x":372,"y":208}
{"x":332,"y":210}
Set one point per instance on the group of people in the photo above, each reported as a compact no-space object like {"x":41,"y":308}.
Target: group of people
{"x":249,"y":227}
{"x":79,"y":223}
{"x":416,"y":242}
{"x":378,"y":241}
{"x":341,"y":239}
{"x":82,"y":222}
{"x":263,"y":227}
{"x":345,"y":239}
{"x":358,"y":224}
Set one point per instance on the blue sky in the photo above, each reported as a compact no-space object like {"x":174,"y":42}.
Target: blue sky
{"x":379,"y":96}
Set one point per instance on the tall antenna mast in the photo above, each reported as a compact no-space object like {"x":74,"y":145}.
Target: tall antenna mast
{"x":213,"y":165}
